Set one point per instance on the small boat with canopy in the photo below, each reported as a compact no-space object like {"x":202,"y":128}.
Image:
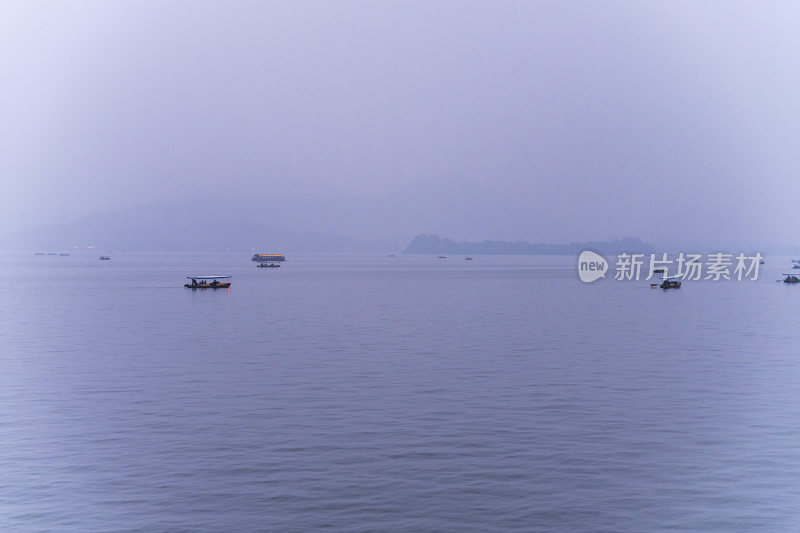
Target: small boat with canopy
{"x":263,"y":258}
{"x":208,"y":282}
{"x":791,"y":278}
{"x":670,"y":282}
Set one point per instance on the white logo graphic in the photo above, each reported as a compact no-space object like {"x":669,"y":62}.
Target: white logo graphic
{"x":591,"y":266}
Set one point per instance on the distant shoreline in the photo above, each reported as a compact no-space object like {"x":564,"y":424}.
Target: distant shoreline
{"x":433,"y":244}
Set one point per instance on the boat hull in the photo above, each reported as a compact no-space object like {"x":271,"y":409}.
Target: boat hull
{"x":207,"y":286}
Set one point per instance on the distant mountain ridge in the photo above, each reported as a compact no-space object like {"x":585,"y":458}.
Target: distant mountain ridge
{"x":305,"y":223}
{"x":182,"y":227}
{"x":433,"y":244}
{"x":455,"y":206}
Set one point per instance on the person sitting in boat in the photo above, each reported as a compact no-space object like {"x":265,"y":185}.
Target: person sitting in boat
{"x":214,"y":283}
{"x":194,"y":282}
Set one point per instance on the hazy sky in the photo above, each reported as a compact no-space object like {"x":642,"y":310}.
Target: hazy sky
{"x":596,"y":119}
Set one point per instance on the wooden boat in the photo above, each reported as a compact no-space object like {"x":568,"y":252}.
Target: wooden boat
{"x":791,"y":278}
{"x":105,"y":258}
{"x":268,"y":265}
{"x":670,"y":283}
{"x":208,"y":282}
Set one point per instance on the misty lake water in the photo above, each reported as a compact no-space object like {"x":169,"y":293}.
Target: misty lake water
{"x":409,"y":393}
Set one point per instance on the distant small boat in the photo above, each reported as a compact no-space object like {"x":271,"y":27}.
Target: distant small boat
{"x":670,"y":283}
{"x":267,"y":257}
{"x":39,"y":253}
{"x":63,"y":255}
{"x":442,"y":257}
{"x":105,"y":258}
{"x":208,"y":282}
{"x":268,"y":265}
{"x":791,"y":278}
{"x":658,"y":271}
{"x":467,"y":259}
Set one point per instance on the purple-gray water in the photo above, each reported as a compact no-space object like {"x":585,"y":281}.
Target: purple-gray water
{"x":371,"y":393}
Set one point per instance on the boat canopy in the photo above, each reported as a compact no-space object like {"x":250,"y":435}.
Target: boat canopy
{"x":207,"y":277}
{"x":668,"y":278}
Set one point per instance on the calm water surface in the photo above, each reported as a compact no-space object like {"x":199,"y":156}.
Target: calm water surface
{"x":369,"y":393}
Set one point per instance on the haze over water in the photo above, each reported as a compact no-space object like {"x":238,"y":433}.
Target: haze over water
{"x":512,"y":120}
{"x":372,"y":393}
{"x":369,"y":393}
